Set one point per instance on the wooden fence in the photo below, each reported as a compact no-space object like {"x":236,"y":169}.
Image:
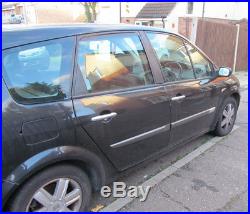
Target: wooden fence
{"x":218,"y":41}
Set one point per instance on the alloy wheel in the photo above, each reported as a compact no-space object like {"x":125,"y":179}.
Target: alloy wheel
{"x":228,"y":116}
{"x":59,"y":195}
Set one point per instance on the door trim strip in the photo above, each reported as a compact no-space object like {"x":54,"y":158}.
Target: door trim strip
{"x":192,"y":117}
{"x":141,"y":136}
{"x":161,"y":129}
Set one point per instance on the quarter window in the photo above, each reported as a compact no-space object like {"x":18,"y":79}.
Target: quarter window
{"x":39,"y":72}
{"x":202,"y":67}
{"x":172,"y":55}
{"x":111,"y":62}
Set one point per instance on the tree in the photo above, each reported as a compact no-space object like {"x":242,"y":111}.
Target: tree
{"x":90,"y":10}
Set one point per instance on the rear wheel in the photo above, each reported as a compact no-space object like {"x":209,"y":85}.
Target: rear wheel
{"x":62,"y":188}
{"x":227,"y":116}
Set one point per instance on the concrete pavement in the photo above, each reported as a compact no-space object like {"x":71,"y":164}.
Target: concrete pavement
{"x":215,"y":181}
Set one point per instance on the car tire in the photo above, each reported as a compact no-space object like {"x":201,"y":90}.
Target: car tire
{"x":64,"y":183}
{"x":226,"y":117}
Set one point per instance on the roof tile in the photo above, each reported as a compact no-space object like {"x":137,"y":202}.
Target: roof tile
{"x":156,"y":10}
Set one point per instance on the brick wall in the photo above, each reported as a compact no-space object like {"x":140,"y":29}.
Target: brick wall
{"x":128,"y":20}
{"x":57,"y":16}
{"x":185,"y":26}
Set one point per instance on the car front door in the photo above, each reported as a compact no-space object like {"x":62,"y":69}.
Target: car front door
{"x":188,"y":74}
{"x":116,"y":98}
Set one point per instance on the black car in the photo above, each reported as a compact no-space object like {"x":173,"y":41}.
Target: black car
{"x":81,"y":103}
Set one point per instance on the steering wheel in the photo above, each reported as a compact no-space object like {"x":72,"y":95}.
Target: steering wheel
{"x":169,"y":75}
{"x":172,"y":70}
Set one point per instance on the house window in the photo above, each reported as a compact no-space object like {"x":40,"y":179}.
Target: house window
{"x":190,"y":7}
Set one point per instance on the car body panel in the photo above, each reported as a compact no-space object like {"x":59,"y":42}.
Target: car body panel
{"x":194,"y":114}
{"x":137,"y":114}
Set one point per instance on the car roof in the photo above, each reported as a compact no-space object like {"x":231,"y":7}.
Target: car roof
{"x":13,"y":37}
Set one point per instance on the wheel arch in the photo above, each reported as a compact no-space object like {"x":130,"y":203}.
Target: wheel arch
{"x":236,"y":96}
{"x":82,"y":158}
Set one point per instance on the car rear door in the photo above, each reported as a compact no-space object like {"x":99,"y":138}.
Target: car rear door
{"x":189,"y":74}
{"x":117,"y":99}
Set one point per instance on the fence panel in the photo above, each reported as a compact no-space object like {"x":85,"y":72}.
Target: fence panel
{"x":242,"y":54}
{"x":217,"y":40}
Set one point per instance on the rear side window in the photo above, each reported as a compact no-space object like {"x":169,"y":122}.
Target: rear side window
{"x":39,"y":72}
{"x":111,"y":62}
{"x":173,"y":57}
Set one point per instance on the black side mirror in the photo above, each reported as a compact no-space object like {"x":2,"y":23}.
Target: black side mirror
{"x":224,"y":72}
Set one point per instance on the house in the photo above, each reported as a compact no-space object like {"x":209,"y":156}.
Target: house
{"x":10,"y":8}
{"x":118,"y":12}
{"x":45,"y":12}
{"x":182,"y":17}
{"x":220,"y":12}
{"x":176,"y":16}
{"x":108,"y":13}
{"x":129,"y":11}
{"x":155,"y":14}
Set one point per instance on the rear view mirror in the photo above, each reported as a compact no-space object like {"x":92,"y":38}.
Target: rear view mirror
{"x":224,"y":72}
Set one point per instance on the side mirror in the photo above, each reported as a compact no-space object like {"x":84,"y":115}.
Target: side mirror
{"x":224,"y":72}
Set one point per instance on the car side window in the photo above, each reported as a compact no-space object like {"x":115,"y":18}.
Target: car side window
{"x":115,"y":61}
{"x":39,"y":72}
{"x":173,"y":57}
{"x":202,"y":67}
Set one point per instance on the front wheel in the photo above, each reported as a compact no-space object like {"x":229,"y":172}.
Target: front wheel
{"x":61,"y":188}
{"x":227,"y":116}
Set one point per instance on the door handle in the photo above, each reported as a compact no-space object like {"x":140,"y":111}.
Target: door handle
{"x":104,"y":117}
{"x":178,"y":98}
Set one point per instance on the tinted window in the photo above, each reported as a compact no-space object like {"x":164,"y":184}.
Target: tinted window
{"x":174,"y":60}
{"x":113,"y":62}
{"x":202,"y":67}
{"x":39,"y":72}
